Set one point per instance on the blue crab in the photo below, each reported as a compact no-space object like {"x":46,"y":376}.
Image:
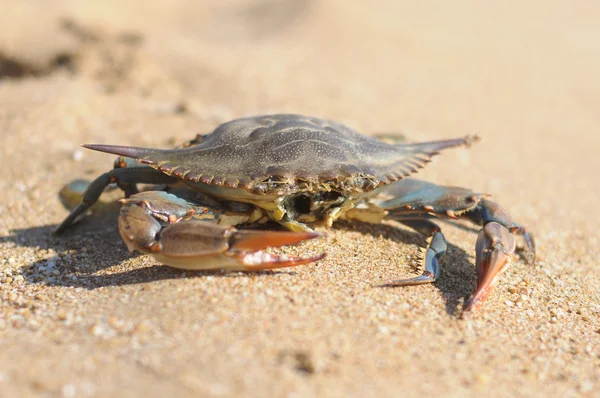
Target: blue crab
{"x":297,"y":171}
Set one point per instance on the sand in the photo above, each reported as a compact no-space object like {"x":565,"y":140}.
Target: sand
{"x":80,"y":316}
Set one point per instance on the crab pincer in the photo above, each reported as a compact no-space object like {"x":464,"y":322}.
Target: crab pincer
{"x":493,"y":249}
{"x":197,"y":245}
{"x":179,"y":233}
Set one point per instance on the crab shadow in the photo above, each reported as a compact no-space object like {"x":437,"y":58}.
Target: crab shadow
{"x":85,"y":255}
{"x":457,"y":279}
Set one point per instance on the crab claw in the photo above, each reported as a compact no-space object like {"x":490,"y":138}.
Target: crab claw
{"x":250,"y":245}
{"x":198,"y":245}
{"x":494,"y":246}
{"x":181,"y":241}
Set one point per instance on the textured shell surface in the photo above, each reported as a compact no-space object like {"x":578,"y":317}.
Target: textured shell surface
{"x":286,"y":146}
{"x":275,"y":152}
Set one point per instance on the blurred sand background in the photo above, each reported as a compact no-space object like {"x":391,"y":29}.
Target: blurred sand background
{"x":80,"y":316}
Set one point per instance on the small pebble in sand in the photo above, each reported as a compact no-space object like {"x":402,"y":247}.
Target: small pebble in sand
{"x":142,"y":327}
{"x":77,"y":155}
{"x":68,"y":391}
{"x":61,"y":315}
{"x":482,"y":378}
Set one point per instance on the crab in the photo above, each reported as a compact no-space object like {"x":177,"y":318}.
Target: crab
{"x":299,"y":172}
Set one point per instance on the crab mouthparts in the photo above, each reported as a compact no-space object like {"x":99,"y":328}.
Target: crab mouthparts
{"x":259,"y":259}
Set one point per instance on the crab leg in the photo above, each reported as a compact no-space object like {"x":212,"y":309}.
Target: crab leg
{"x":420,"y":200}
{"x":435,"y":249}
{"x":169,"y":228}
{"x":121,"y":176}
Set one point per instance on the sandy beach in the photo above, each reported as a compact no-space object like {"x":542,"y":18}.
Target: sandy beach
{"x":82,"y":317}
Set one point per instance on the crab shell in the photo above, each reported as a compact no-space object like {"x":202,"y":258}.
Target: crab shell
{"x":259,"y":159}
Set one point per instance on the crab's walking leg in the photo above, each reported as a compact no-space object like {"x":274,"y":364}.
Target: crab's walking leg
{"x":124,"y":176}
{"x":416,"y":199}
{"x":435,"y":249}
{"x":174,"y":232}
{"x":122,"y":162}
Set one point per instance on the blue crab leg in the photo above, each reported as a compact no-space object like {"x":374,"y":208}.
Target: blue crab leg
{"x":420,"y":200}
{"x":169,"y":228}
{"x":125,"y":176}
{"x":122,"y":162}
{"x":435,"y":249}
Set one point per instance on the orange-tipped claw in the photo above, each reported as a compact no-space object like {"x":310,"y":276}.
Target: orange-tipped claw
{"x":257,"y":240}
{"x":259,"y":260}
{"x":494,"y":246}
{"x":249,"y":244}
